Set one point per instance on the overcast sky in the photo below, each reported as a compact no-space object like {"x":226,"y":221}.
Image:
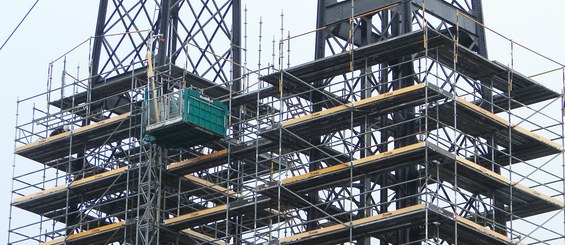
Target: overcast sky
{"x":56,"y":26}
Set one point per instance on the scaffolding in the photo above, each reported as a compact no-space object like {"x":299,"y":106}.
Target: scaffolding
{"x":404,"y":133}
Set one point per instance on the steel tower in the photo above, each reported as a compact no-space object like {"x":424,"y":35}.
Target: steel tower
{"x":400,"y":130}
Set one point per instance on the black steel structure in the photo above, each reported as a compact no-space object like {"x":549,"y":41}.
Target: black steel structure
{"x":400,"y":130}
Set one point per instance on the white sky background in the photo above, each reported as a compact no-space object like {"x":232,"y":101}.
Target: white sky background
{"x":54,"y":27}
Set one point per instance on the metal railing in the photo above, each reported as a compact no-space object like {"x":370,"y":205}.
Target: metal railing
{"x":163,"y":109}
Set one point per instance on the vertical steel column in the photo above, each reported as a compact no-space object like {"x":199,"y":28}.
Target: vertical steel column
{"x":487,"y":95}
{"x":477,"y":11}
{"x":236,"y":88}
{"x":403,"y":75}
{"x":365,"y":130}
{"x":98,"y":39}
{"x":164,"y":33}
{"x":316,"y":98}
{"x":175,"y":8}
{"x":236,"y":44}
{"x":383,"y":88}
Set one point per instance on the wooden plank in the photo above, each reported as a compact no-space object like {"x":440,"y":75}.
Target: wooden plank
{"x":481,"y":111}
{"x":389,"y":95}
{"x":98,"y":176}
{"x":202,"y":237}
{"x":101,"y":123}
{"x":537,"y":137}
{"x":384,"y":216}
{"x":68,"y":133}
{"x":232,"y":194}
{"x":211,"y":185}
{"x":39,"y":194}
{"x":506,"y":181}
{"x":505,"y":123}
{"x":345,"y":226}
{"x":193,"y":215}
{"x":353,"y":105}
{"x":114,"y":226}
{"x":482,"y":169}
{"x":356,"y":163}
{"x":43,"y":141}
{"x":390,"y":214}
{"x":73,"y":184}
{"x":316,"y":173}
{"x":315,"y":115}
{"x":538,"y":194}
{"x":389,"y":154}
{"x":483,"y":230}
{"x":196,"y":160}
{"x":316,"y":232}
{"x":54,"y":241}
